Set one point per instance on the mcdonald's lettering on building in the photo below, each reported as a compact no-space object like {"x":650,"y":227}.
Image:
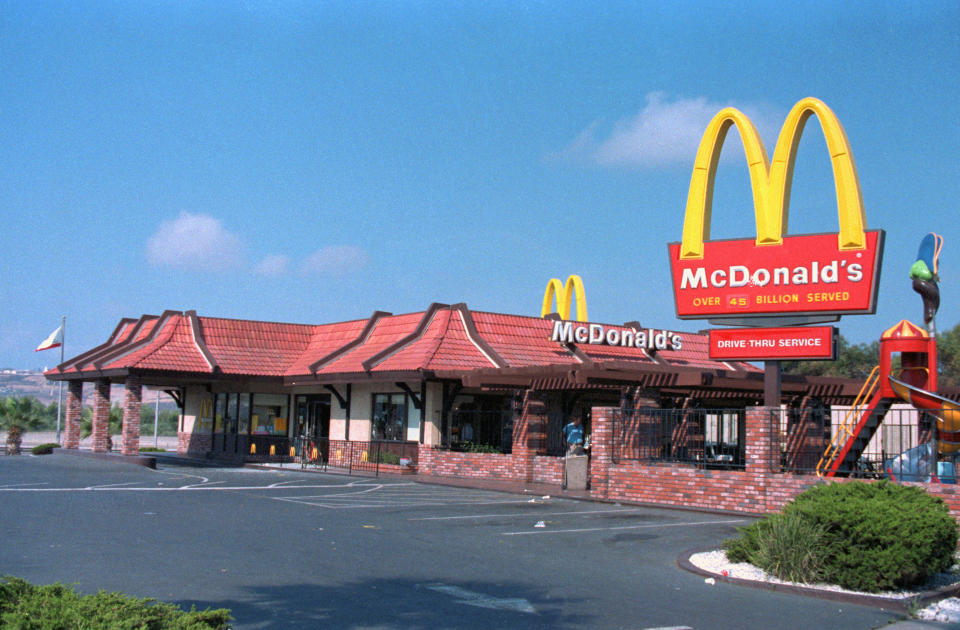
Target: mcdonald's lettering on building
{"x":774,"y":274}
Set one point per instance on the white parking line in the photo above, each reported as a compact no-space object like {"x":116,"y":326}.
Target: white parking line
{"x":622,"y":527}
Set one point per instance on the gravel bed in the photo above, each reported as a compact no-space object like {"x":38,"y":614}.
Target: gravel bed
{"x":945,"y":610}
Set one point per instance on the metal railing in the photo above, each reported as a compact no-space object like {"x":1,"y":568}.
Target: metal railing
{"x":268,"y":448}
{"x":844,"y":430}
{"x":901,"y":447}
{"x":373,"y":456}
{"x":708,"y":438}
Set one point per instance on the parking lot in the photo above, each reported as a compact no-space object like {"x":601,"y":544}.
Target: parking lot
{"x":291,"y":549}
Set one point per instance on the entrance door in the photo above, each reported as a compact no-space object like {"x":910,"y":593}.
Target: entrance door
{"x":313,"y":420}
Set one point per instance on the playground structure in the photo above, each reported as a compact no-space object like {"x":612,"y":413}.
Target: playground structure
{"x":912,"y":379}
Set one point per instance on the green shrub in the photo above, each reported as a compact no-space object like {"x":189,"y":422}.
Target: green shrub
{"x":861,"y":536}
{"x":388,"y":458}
{"x":152,"y":449}
{"x":783,"y":545}
{"x":44,"y":449}
{"x":24,"y":606}
{"x":880,"y":536}
{"x":791,"y":548}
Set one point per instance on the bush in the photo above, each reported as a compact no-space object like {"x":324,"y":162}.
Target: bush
{"x":875,"y":536}
{"x":44,"y":449}
{"x":24,"y":606}
{"x":784,"y":545}
{"x":152,"y":449}
{"x":386,"y":457}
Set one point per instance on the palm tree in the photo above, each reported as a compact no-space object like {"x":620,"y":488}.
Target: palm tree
{"x":16,"y":416}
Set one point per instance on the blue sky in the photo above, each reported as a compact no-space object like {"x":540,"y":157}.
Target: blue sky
{"x":314,"y":162}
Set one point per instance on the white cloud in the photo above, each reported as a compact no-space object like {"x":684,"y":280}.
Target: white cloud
{"x":664,"y":133}
{"x":272,"y":265}
{"x":334,"y":260}
{"x":194,"y":241}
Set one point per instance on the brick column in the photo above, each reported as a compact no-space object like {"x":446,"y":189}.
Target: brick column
{"x":101,"y":415}
{"x":131,"y":415}
{"x":74,"y":408}
{"x":762,"y":457}
{"x":529,"y":431}
{"x":601,"y":449}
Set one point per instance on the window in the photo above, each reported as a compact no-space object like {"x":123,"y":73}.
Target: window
{"x":244,"y":414}
{"x":220,"y":403}
{"x":230,"y":426}
{"x":269,"y":414}
{"x":389,"y":418}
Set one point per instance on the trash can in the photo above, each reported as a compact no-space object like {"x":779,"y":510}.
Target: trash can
{"x":575,"y":472}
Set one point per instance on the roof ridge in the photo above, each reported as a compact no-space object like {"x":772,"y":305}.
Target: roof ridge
{"x":117,"y":348}
{"x":350,"y":345}
{"x":473,"y":334}
{"x":159,"y":333}
{"x":422,"y":326}
{"x":200,"y":339}
{"x":439,"y":340}
{"x":82,"y":358}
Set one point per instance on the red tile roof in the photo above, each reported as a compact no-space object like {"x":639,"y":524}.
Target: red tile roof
{"x":441,"y":339}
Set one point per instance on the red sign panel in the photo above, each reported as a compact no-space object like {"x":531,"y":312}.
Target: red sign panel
{"x":807,"y":274}
{"x":789,"y":344}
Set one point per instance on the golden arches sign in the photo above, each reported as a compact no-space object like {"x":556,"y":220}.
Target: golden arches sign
{"x":771,"y":182}
{"x":564,"y":296}
{"x":775,"y":274}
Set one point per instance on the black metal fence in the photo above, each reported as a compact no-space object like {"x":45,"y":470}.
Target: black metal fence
{"x":373,"y":456}
{"x":709,"y":438}
{"x":555,"y":443}
{"x":905,"y":444}
{"x":268,"y":448}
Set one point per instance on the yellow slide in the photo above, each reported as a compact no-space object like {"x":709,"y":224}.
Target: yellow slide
{"x":947,"y":412}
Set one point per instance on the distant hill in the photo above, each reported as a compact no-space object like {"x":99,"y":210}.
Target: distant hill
{"x":16,"y":383}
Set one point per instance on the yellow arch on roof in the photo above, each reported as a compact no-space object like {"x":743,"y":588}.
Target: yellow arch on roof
{"x":564,"y":296}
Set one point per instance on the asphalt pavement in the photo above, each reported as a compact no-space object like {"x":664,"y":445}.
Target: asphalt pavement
{"x":292,"y":549}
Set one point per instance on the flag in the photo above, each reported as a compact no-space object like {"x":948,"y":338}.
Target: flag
{"x":53,"y":341}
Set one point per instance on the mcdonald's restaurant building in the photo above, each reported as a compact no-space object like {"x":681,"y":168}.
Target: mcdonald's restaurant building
{"x":453,"y":392}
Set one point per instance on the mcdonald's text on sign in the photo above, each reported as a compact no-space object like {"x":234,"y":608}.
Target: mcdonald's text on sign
{"x":782,"y":344}
{"x":805,"y":274}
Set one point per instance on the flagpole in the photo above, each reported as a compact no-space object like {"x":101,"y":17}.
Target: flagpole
{"x":63,"y":341}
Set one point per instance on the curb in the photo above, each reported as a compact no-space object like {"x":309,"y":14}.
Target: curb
{"x":901,"y":604}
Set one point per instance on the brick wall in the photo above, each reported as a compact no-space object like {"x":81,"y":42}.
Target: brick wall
{"x":446,"y":463}
{"x":194,"y":444}
{"x":756,"y":490}
{"x":548,"y":469}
